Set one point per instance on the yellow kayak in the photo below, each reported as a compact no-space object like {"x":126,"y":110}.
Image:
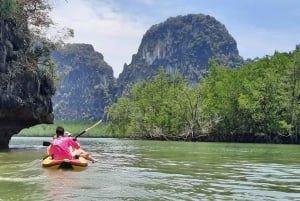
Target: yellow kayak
{"x":67,"y":164}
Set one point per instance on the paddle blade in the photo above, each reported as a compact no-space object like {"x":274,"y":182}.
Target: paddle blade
{"x":45,"y":143}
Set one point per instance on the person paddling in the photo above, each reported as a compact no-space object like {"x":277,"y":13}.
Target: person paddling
{"x":60,"y":146}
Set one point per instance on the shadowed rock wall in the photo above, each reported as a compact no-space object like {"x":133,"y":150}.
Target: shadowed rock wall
{"x":25,"y":94}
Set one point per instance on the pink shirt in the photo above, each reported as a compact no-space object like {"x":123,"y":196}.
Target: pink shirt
{"x":60,"y":148}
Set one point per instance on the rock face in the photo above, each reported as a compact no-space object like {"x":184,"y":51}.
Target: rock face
{"x":25,"y":94}
{"x":184,"y":44}
{"x":86,"y":84}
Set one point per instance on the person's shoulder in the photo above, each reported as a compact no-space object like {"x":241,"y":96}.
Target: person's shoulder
{"x":70,"y":139}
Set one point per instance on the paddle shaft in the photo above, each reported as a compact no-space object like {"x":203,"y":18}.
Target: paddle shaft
{"x":88,"y":129}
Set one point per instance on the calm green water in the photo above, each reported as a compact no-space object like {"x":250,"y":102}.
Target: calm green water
{"x":151,"y":170}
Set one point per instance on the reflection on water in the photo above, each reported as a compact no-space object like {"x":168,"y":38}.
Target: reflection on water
{"x":149,"y":170}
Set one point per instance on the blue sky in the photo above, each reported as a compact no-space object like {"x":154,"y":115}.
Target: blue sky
{"x":116,"y":27}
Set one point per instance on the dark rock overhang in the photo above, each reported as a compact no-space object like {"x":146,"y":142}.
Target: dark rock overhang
{"x":25,"y":90}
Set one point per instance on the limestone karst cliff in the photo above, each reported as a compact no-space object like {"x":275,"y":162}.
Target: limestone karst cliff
{"x":86,"y":83}
{"x":184,"y":44}
{"x":25,"y":91}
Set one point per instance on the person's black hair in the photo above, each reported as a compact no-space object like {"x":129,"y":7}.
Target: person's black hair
{"x":60,"y":131}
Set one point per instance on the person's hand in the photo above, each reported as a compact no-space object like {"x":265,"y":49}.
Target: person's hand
{"x":67,"y":134}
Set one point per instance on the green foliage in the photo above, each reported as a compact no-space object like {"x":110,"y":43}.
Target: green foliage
{"x":164,"y":108}
{"x":7,"y":9}
{"x":119,"y":114}
{"x":257,"y":102}
{"x":259,"y":99}
{"x":33,"y":24}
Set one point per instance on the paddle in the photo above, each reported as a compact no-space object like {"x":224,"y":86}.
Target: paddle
{"x":86,"y":130}
{"x":45,"y":143}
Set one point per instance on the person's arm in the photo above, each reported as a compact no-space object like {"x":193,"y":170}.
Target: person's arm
{"x":74,"y":143}
{"x":50,"y":150}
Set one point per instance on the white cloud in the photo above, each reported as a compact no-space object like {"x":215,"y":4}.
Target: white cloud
{"x":110,"y":32}
{"x":116,"y":27}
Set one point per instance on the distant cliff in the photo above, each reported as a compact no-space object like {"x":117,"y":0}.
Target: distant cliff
{"x":25,"y":91}
{"x":86,"y":83}
{"x":184,"y":44}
